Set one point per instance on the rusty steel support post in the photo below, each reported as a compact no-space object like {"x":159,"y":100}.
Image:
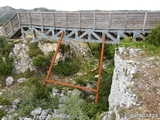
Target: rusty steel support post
{"x":100,"y":66}
{"x":54,"y":57}
{"x":71,"y":85}
{"x":90,"y":48}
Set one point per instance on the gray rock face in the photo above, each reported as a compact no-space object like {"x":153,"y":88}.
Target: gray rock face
{"x":123,"y":73}
{"x":21,"y":62}
{"x":9,"y":80}
{"x":121,"y":94}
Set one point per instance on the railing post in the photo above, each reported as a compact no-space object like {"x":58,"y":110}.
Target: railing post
{"x":11,"y":26}
{"x":19,"y":20}
{"x":144,"y":22}
{"x":94,"y":21}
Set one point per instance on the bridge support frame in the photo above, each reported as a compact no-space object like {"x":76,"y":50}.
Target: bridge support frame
{"x":47,"y":80}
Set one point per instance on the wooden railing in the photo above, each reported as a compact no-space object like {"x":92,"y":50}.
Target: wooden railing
{"x":93,"y":20}
{"x":11,"y":26}
{"x":126,"y":21}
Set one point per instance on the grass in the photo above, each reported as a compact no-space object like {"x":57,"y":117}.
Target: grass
{"x":33,"y":94}
{"x":122,"y":111}
{"x":149,"y":49}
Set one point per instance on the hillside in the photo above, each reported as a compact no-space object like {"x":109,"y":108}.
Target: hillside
{"x":7,"y":12}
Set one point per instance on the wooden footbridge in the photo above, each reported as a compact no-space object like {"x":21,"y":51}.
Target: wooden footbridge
{"x":101,"y":27}
{"x":83,"y":26}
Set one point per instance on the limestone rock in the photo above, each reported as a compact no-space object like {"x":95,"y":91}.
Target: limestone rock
{"x":47,"y":47}
{"x":9,"y":80}
{"x":4,"y":118}
{"x":76,"y":92}
{"x":44,"y":114}
{"x":15,"y":102}
{"x":1,"y":93}
{"x":36,"y":111}
{"x":21,"y":61}
{"x":27,"y":118}
{"x":21,"y":80}
{"x":54,"y":90}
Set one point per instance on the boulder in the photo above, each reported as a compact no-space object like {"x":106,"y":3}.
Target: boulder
{"x":9,"y":80}
{"x":36,"y":111}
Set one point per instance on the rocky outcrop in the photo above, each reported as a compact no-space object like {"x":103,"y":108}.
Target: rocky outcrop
{"x":22,"y":61}
{"x":134,"y":76}
{"x":123,"y":73}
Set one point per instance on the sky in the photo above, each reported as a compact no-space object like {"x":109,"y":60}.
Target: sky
{"x":73,"y":5}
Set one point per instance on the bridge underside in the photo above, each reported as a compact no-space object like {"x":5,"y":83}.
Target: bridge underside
{"x":86,"y":35}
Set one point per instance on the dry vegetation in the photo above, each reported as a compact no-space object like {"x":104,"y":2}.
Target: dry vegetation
{"x":146,"y":86}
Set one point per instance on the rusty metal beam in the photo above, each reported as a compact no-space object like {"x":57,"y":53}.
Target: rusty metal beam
{"x":54,"y":57}
{"x":71,"y":85}
{"x":90,"y":48}
{"x":100,"y":66}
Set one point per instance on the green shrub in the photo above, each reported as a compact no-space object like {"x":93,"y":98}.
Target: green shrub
{"x":68,"y":67}
{"x":109,"y":50}
{"x":5,"y":68}
{"x":3,"y":101}
{"x":2,"y":113}
{"x":154,"y":36}
{"x":64,"y":49}
{"x":34,"y":50}
{"x":40,"y":90}
{"x":148,"y":48}
{"x":39,"y":97}
{"x":41,"y":63}
{"x":50,"y":55}
{"x":73,"y":106}
{"x":5,"y":48}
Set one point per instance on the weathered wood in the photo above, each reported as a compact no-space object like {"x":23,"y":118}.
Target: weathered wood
{"x":98,"y":20}
{"x":109,"y":24}
{"x":144,"y":22}
{"x":29,"y":17}
{"x":53,"y":18}
{"x":41,"y":16}
{"x":94,"y":21}
{"x":110,"y":20}
{"x":11,"y":29}
{"x":19,"y":19}
{"x":79,"y":20}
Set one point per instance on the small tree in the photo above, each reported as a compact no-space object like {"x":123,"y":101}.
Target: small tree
{"x":154,"y":36}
